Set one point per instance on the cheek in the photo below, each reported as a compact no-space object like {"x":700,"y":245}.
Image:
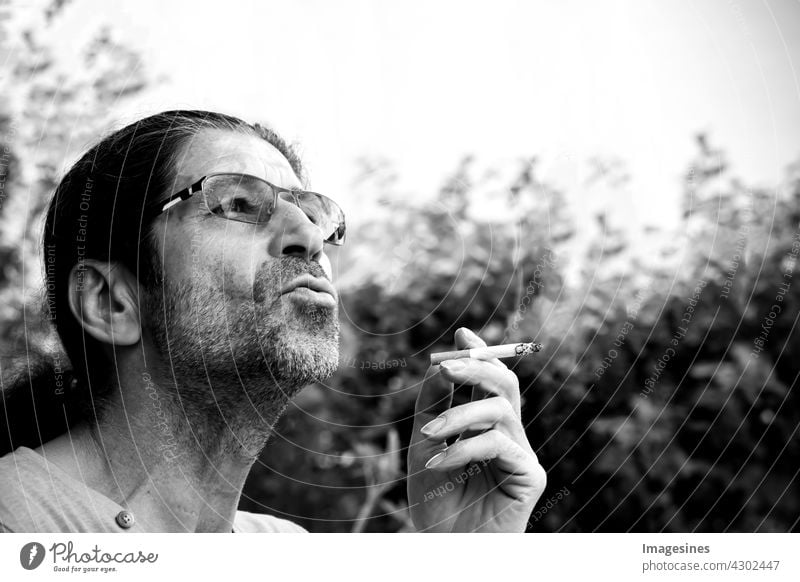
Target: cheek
{"x":223,"y":262}
{"x":180,"y":258}
{"x":190,"y":248}
{"x":239,"y":259}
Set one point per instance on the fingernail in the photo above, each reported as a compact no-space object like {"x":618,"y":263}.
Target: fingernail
{"x":433,"y":426}
{"x":453,"y":365}
{"x":471,"y":333}
{"x":435,"y":459}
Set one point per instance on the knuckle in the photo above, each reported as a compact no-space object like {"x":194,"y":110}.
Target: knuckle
{"x":506,"y":407}
{"x":538,"y":485}
{"x":499,"y":440}
{"x":512,"y":379}
{"x":488,"y":440}
{"x":540,"y":477}
{"x":498,"y":364}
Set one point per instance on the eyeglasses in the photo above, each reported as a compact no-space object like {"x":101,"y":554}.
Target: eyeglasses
{"x":246,"y":198}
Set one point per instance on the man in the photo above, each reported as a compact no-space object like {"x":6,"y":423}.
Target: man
{"x":188,"y":281}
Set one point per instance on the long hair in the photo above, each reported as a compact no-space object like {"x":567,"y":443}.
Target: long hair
{"x":98,"y":212}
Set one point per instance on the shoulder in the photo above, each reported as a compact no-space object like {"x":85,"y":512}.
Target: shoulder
{"x":246,"y":522}
{"x":17,"y":469}
{"x":19,"y":482}
{"x":38,"y":497}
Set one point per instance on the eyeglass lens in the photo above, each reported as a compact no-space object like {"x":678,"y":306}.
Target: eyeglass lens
{"x":249,"y":199}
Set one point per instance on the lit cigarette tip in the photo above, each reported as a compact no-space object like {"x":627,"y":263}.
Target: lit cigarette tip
{"x":488,"y":352}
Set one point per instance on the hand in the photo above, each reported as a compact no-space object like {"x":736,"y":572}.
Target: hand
{"x":488,"y":480}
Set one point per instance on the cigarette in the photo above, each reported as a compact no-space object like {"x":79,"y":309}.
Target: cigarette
{"x":504,"y":351}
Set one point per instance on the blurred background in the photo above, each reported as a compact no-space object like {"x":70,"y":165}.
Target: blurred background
{"x":619,"y":181}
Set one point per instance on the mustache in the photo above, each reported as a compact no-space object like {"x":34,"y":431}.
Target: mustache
{"x":291,"y":267}
{"x":274,"y":274}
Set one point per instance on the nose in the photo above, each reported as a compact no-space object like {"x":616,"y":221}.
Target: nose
{"x":294,"y":235}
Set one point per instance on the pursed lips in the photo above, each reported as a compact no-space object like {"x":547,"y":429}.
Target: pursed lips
{"x":311,"y":282}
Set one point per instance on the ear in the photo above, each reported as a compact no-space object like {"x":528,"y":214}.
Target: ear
{"x":103,"y":297}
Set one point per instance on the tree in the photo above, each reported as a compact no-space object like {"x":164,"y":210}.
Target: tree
{"x":644,"y":420}
{"x":48,"y":112}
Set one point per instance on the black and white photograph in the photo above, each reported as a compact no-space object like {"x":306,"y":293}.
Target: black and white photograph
{"x":359,"y":267}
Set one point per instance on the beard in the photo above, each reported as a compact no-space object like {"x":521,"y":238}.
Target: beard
{"x":239,"y":361}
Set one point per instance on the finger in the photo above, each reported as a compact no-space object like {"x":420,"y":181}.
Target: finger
{"x":524,"y":473}
{"x":465,"y":339}
{"x":485,"y":378}
{"x":495,"y":412}
{"x":435,"y":397}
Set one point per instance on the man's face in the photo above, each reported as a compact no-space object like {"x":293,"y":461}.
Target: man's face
{"x":226,"y":317}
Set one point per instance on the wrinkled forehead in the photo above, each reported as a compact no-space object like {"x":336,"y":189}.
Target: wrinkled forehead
{"x":213,"y":151}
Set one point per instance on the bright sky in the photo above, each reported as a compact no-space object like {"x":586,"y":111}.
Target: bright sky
{"x":423,"y":83}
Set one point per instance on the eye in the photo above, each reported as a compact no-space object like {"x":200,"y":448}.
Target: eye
{"x":240,"y":205}
{"x":239,"y":197}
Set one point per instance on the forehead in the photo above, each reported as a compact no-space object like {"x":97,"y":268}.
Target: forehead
{"x":212,"y":151}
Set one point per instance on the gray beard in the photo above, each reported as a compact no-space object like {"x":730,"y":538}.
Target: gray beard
{"x":234,"y":365}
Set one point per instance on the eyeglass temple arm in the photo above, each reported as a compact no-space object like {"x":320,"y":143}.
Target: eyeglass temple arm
{"x":184,"y":194}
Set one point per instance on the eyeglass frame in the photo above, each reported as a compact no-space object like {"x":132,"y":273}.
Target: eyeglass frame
{"x":159,"y":208}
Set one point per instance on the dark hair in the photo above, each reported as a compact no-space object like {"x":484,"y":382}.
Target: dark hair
{"x":97,"y":212}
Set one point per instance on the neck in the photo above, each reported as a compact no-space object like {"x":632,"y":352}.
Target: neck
{"x":176,"y":462}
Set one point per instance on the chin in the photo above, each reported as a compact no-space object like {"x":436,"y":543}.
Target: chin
{"x":300,"y":346}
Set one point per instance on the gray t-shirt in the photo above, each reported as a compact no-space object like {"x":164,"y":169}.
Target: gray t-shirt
{"x":37,"y":496}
